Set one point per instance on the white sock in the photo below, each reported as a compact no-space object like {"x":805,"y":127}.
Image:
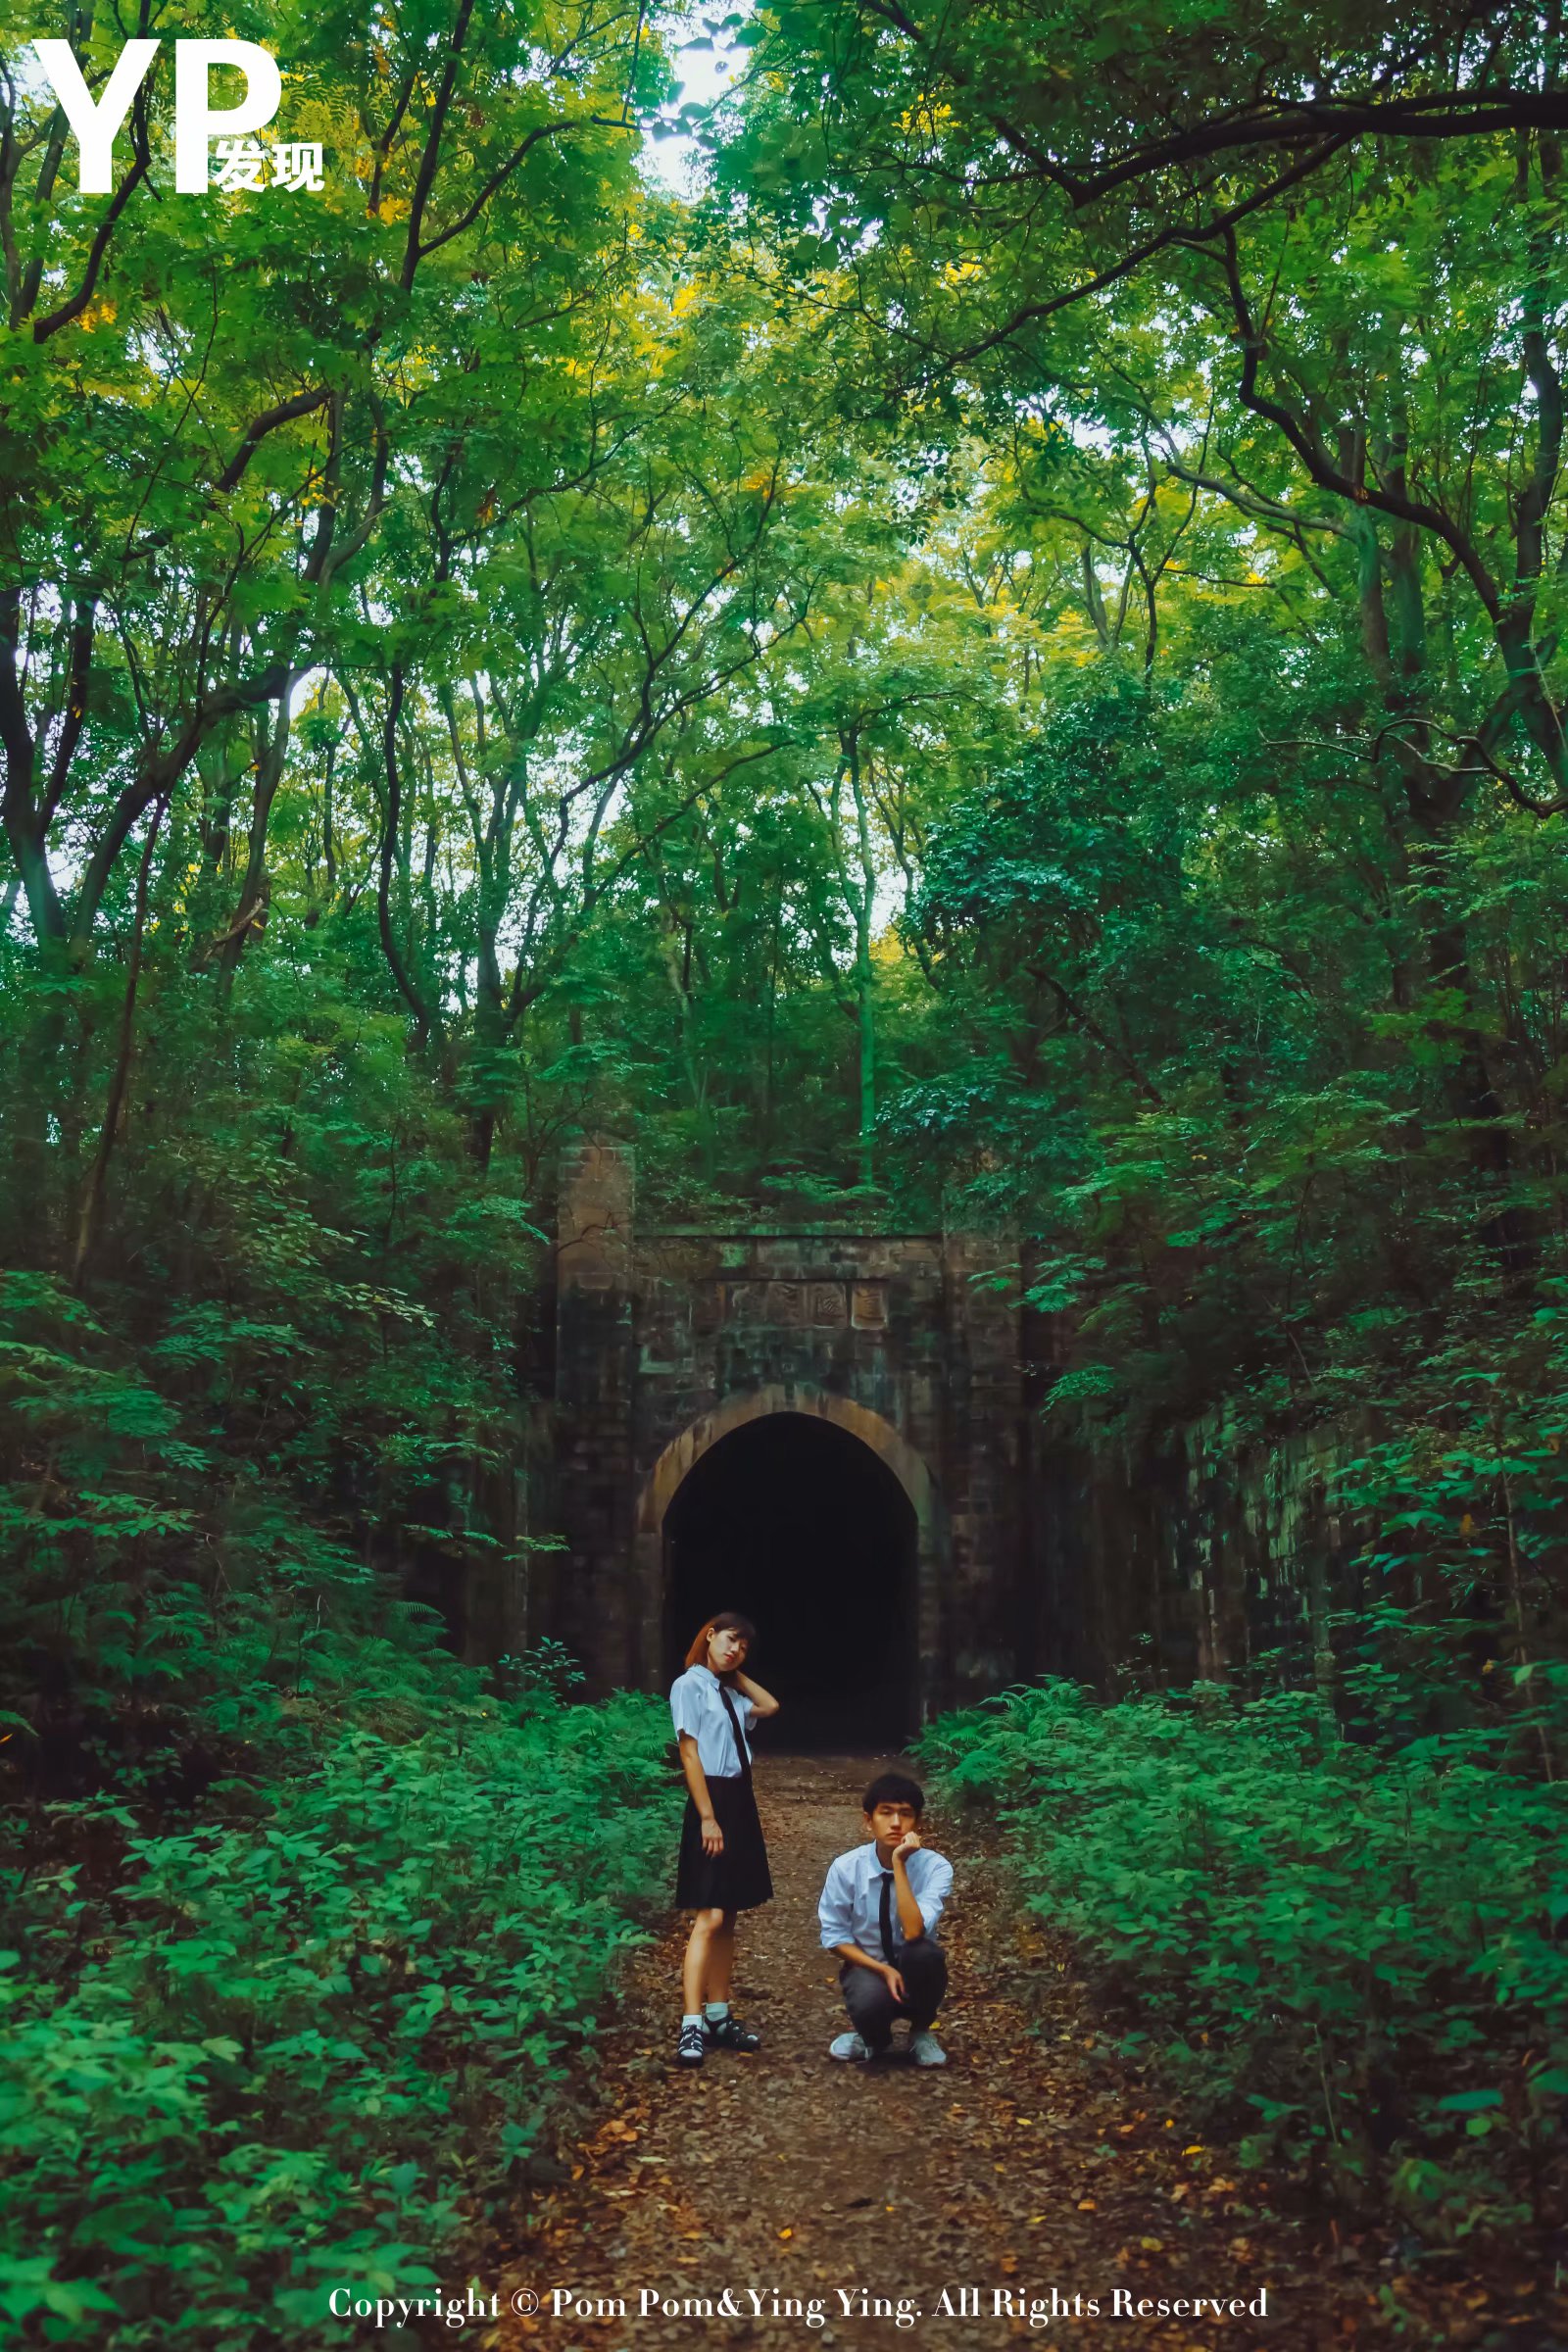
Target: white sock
{"x":716,"y":2010}
{"x":692,"y":2018}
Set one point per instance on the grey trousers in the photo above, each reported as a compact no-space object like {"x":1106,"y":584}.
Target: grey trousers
{"x":872,"y":2009}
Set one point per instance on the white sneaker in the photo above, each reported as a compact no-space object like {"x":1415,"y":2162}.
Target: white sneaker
{"x":926,"y":2050}
{"x":848,"y":2045}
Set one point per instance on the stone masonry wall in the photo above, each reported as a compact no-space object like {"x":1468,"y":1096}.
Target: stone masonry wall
{"x":661,"y":1335}
{"x":1033,"y":1558}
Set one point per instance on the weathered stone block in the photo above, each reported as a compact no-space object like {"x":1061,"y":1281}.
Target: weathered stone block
{"x":708,"y":1307}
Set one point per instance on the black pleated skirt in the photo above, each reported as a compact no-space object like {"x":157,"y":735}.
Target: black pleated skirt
{"x":738,"y":1879}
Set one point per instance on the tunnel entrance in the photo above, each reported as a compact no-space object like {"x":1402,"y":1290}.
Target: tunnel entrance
{"x":800,"y":1525}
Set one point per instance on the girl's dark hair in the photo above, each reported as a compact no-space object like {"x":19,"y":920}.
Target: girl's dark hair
{"x":727,"y":1621}
{"x":894,"y":1789}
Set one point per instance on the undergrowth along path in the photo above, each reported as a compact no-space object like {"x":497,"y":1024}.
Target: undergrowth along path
{"x":1033,"y":2164}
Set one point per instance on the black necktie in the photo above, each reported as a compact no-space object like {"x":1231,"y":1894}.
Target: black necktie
{"x":885,"y":1917}
{"x":735,"y":1727}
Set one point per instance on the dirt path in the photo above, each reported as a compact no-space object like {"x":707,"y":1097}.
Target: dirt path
{"x":987,"y":2195}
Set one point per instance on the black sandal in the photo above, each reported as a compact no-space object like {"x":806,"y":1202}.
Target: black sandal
{"x":728,"y":2033}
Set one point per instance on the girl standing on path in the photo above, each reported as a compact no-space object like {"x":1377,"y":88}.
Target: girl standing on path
{"x":723,"y":1861}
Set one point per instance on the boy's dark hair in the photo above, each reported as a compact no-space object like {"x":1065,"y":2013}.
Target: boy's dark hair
{"x":894,"y":1789}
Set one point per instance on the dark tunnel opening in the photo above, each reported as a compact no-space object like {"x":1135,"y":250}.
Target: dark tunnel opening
{"x":804,"y":1528}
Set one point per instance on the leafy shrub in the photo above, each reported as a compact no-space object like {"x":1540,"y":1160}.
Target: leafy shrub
{"x":306,"y":1923}
{"x":160,"y":1598}
{"x":1353,"y":1949}
{"x":281,"y":2054}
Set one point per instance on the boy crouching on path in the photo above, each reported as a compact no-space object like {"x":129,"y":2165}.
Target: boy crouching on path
{"x":879,"y":1912}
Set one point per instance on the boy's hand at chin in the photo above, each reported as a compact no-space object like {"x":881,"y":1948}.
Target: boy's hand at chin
{"x":908,"y":1844}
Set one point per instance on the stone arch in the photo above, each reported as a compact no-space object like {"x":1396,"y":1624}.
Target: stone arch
{"x":879,"y":1436}
{"x":783,"y":1396}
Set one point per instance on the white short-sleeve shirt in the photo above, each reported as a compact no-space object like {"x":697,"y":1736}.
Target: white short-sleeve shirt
{"x":696,"y":1706}
{"x":850,"y":1908}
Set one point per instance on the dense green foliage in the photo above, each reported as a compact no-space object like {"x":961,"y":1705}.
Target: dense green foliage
{"x":999,"y":659}
{"x":304,"y":1916}
{"x":301,"y":2044}
{"x":1342,"y":1945}
{"x":1330,"y":1901}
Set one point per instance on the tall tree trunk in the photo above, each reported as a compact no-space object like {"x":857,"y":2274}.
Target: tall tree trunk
{"x":23,"y":821}
{"x":865,"y":905}
{"x":391,"y":836}
{"x":251,"y":914}
{"x":91,"y":1217}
